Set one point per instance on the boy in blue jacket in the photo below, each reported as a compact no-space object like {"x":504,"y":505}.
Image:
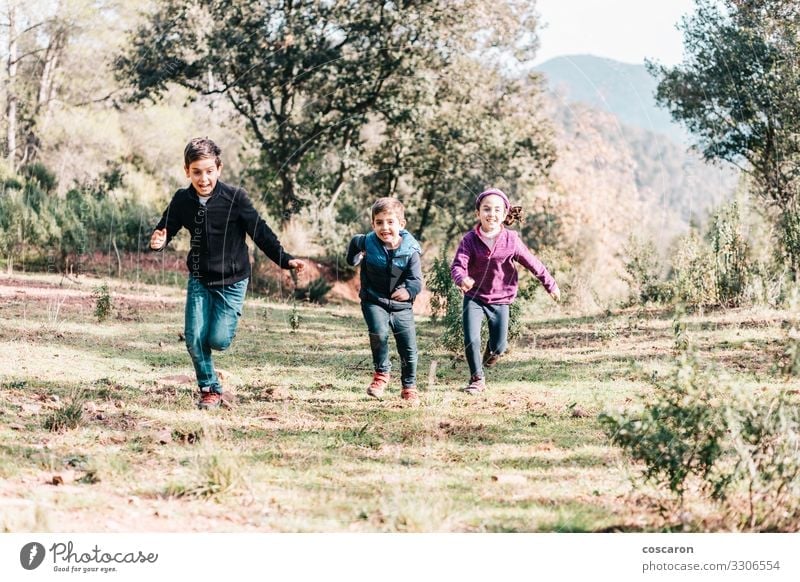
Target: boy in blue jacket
{"x":391,"y":277}
{"x":218,"y":217}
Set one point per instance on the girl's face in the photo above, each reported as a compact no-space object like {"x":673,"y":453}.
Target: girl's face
{"x":387,"y":226}
{"x":204,"y":174}
{"x":491,"y":212}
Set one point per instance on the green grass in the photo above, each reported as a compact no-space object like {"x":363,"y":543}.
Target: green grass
{"x":305,"y":449}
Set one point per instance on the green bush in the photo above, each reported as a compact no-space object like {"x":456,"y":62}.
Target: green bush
{"x":692,"y":281}
{"x":102,"y":305}
{"x":642,"y":272}
{"x":446,"y":304}
{"x":743,"y":452}
{"x":731,"y":256}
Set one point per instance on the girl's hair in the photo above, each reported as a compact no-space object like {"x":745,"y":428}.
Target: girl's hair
{"x":200,"y":148}
{"x":388,"y":204}
{"x":515,"y":213}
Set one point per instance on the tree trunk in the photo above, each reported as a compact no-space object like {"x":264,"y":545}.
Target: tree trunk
{"x":11,"y":97}
{"x":289,"y":201}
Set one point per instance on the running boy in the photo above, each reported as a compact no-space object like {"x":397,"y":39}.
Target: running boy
{"x":391,"y":277}
{"x":218,"y":217}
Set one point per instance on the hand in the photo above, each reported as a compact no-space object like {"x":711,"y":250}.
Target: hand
{"x":467,"y":283}
{"x":556,"y":294}
{"x":158,"y":239}
{"x":297,"y":265}
{"x":401,"y":294}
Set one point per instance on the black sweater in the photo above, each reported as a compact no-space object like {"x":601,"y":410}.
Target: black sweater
{"x":218,"y":254}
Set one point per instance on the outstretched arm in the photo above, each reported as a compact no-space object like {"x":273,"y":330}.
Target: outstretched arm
{"x":528,"y":260}
{"x":262,"y":234}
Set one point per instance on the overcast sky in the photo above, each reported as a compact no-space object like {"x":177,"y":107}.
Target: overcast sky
{"x":624,"y":30}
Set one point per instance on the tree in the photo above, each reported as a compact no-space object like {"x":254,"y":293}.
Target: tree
{"x":473,"y":128}
{"x":306,"y":75}
{"x":737,"y":92}
{"x":36,"y":37}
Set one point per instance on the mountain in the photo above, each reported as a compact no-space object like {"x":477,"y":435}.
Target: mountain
{"x":625,"y":90}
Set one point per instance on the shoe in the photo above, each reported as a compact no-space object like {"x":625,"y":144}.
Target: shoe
{"x":410,"y":395}
{"x":378,"y":385}
{"x":209,"y":400}
{"x":490,"y":358}
{"x":476,"y":385}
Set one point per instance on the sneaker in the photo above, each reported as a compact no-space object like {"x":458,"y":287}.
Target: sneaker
{"x":476,"y":385}
{"x":209,"y":400}
{"x":410,"y":395}
{"x":490,"y":358}
{"x":378,"y":385}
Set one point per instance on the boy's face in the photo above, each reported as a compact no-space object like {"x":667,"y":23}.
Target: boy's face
{"x":387,"y":226}
{"x":204,"y":174}
{"x":491,"y":212}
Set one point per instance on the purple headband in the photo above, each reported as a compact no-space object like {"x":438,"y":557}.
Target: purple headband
{"x":491,"y":192}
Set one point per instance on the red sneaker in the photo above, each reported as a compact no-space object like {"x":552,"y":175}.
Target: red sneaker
{"x":410,"y":395}
{"x":209,"y":400}
{"x":378,"y":385}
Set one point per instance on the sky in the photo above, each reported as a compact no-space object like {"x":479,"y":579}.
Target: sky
{"x":623,"y":30}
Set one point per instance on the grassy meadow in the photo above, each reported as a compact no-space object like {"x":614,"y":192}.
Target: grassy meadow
{"x":99,"y":429}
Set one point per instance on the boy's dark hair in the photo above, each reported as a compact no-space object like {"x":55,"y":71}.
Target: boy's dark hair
{"x":388,"y":204}
{"x":200,"y":148}
{"x":515,"y":214}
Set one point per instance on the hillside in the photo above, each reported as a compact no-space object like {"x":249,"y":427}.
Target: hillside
{"x":623,"y":89}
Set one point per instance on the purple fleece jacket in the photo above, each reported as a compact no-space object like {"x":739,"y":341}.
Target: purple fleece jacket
{"x":494,"y":270}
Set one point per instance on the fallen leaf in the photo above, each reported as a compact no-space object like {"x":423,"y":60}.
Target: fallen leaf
{"x":578,"y":412}
{"x":509,"y":479}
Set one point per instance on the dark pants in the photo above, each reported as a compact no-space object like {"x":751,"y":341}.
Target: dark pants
{"x":473,"y":314}
{"x":379,"y":321}
{"x":212,"y":314}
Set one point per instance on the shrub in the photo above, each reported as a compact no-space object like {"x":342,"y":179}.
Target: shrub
{"x":692,"y":281}
{"x":68,"y":416}
{"x":446,"y":304}
{"x":743,"y":452}
{"x":731,"y":255}
{"x":642,"y":272}
{"x":102,"y":305}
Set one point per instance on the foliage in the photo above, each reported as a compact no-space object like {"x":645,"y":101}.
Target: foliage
{"x":679,"y":431}
{"x":642,"y":272}
{"x":736,"y":93}
{"x":102,"y":302}
{"x":68,"y":416}
{"x":315,"y":292}
{"x":742,"y":450}
{"x":446,"y":304}
{"x":691,"y":278}
{"x":732,"y":263}
{"x":306,"y":84}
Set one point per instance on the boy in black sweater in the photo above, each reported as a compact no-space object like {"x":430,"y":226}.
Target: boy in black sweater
{"x":218,"y":217}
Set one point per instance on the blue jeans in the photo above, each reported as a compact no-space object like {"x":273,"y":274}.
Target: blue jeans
{"x":212,"y":314}
{"x":473,"y":314}
{"x":379,"y":322}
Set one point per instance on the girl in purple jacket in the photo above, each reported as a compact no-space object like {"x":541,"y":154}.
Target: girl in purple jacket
{"x":485,"y":270}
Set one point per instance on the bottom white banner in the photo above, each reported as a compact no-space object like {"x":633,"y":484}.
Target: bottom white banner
{"x":390,"y":557}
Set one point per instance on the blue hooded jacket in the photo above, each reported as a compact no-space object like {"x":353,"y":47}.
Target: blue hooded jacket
{"x":383,"y":271}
